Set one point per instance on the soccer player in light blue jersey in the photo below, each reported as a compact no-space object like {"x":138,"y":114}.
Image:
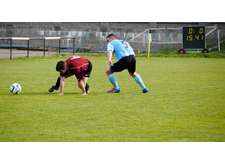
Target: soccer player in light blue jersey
{"x":125,"y":57}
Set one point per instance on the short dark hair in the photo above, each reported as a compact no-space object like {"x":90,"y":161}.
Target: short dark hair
{"x":60,"y":66}
{"x":111,"y":34}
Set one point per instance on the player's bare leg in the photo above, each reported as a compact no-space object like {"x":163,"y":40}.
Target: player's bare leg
{"x":81,"y":85}
{"x":87,"y":87}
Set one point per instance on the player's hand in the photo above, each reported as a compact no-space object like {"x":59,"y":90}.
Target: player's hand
{"x":61,"y":94}
{"x":110,"y":63}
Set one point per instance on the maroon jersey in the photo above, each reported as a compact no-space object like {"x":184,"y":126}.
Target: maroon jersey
{"x":77,"y":66}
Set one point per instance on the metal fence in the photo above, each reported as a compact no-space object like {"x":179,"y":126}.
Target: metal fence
{"x":92,"y":41}
{"x":25,"y":46}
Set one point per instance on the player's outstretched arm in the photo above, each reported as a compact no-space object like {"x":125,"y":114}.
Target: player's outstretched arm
{"x":109,"y":62}
{"x":61,"y":87}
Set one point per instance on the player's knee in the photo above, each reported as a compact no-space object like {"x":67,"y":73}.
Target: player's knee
{"x":108,"y":72}
{"x":132,"y":74}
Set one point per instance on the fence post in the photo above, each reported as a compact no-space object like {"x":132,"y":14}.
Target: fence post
{"x":59,"y":45}
{"x":149,"y":42}
{"x":44,"y":48}
{"x":218,"y":36}
{"x":10,"y":41}
{"x":73,"y":46}
{"x":28,"y":47}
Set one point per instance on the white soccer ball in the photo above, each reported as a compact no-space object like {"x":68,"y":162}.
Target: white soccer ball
{"x":15,"y":88}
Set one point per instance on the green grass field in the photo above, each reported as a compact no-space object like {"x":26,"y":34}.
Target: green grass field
{"x":186,"y":102}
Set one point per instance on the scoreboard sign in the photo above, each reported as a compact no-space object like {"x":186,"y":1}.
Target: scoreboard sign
{"x":194,"y":37}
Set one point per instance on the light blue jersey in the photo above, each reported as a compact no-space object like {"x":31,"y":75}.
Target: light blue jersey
{"x":120,"y":48}
{"x":129,"y":48}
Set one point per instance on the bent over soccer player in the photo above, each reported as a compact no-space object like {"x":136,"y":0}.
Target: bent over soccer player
{"x":125,"y":60}
{"x":75,"y":65}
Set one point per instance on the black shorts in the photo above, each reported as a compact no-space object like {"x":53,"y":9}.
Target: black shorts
{"x":128,"y":62}
{"x":87,"y":72}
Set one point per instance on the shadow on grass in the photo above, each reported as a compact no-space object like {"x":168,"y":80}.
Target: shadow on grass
{"x":48,"y":94}
{"x":102,"y":93}
{"x":37,"y":93}
{"x":24,"y":94}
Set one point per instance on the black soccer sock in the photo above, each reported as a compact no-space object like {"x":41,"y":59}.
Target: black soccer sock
{"x":87,"y":87}
{"x":57,"y":84}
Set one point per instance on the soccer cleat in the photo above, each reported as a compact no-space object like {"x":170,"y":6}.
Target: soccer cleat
{"x":87,"y":88}
{"x":52,"y":89}
{"x":145,"y":90}
{"x":113,"y":90}
{"x":84,"y":94}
